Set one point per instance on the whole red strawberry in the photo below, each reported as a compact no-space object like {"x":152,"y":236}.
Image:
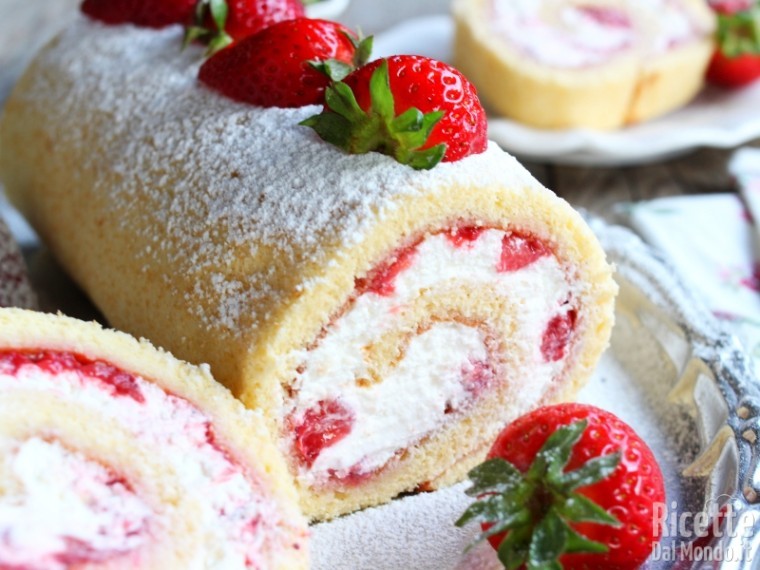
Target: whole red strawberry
{"x":288,"y":64}
{"x":146,"y":13}
{"x":414,"y":108}
{"x":736,"y":59}
{"x":569,"y":484}
{"x":222,"y":22}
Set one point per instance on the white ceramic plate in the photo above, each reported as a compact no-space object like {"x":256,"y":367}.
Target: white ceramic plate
{"x":717,"y":118}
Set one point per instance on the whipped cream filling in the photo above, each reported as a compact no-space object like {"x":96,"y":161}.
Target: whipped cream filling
{"x":234,"y":515}
{"x":575,"y":35}
{"x":416,"y":394}
{"x":92,"y":508}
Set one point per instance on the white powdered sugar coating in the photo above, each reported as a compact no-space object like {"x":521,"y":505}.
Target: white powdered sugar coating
{"x":432,"y":366}
{"x":57,"y":499}
{"x":216,"y":179}
{"x":15,"y":290}
{"x":577,"y":35}
{"x":236,"y":518}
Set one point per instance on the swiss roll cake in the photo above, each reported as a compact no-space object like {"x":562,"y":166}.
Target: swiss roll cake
{"x":116,"y":455}
{"x":599,"y":64}
{"x":386,"y":321}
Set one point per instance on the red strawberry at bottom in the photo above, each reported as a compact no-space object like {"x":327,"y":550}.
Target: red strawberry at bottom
{"x":568,"y":486}
{"x":413,"y":108}
{"x":279,"y":66}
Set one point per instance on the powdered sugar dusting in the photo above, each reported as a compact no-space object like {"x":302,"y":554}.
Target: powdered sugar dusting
{"x":416,"y":532}
{"x":216,"y":179}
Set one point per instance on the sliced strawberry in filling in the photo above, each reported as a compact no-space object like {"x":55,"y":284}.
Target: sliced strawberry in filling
{"x":55,"y":362}
{"x":607,"y":16}
{"x":519,"y":251}
{"x":557,"y":335}
{"x":464,"y":235}
{"x":321,"y":426}
{"x":381,"y":280}
{"x":477,"y":376}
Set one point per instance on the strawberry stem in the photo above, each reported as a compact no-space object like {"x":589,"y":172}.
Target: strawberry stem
{"x":337,"y":70}
{"x":346,"y":125}
{"x":215,"y":39}
{"x":739,"y":33}
{"x":536,"y":508}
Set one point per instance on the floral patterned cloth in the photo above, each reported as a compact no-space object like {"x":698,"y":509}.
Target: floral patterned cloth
{"x":714,"y":243}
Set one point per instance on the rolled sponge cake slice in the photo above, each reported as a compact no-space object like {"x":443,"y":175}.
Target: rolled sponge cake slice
{"x":116,"y":455}
{"x":386,"y":321}
{"x":599,"y":64}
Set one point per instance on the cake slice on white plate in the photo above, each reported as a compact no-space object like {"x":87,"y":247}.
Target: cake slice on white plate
{"x":599,"y":64}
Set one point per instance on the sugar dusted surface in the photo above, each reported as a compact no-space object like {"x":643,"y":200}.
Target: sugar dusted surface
{"x":242,"y":178}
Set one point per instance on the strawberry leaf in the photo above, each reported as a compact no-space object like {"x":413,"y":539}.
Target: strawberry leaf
{"x":548,"y":541}
{"x":382,"y":97}
{"x":219,"y":12}
{"x":378,"y":129}
{"x":513,"y":550}
{"x":518,"y":519}
{"x":494,"y":476}
{"x":363,"y":50}
{"x":535,"y":508}
{"x":337,"y":70}
{"x":215,"y":39}
{"x":577,"y":543}
{"x":332,"y":68}
{"x":578,"y":508}
{"x":739,"y":33}
{"x":590,"y":472}
{"x":555,"y":453}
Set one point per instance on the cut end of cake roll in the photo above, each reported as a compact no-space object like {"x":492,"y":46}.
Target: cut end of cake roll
{"x":448,"y":331}
{"x":583,"y":63}
{"x":116,"y":455}
{"x":386,"y":321}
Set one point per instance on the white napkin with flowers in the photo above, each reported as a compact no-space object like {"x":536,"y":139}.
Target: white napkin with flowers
{"x":714,"y":243}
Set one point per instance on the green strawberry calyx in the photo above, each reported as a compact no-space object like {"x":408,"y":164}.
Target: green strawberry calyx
{"x":336,"y":69}
{"x":536,"y":508}
{"x":346,"y":125}
{"x":216,"y":38}
{"x":739,"y":33}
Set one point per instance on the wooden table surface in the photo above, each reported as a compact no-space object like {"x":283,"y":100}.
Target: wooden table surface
{"x":596,"y":189}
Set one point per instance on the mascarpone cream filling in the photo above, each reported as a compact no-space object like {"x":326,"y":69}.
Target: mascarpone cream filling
{"x":235,"y":516}
{"x":414,"y":398}
{"x":575,"y":35}
{"x":54,"y":498}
